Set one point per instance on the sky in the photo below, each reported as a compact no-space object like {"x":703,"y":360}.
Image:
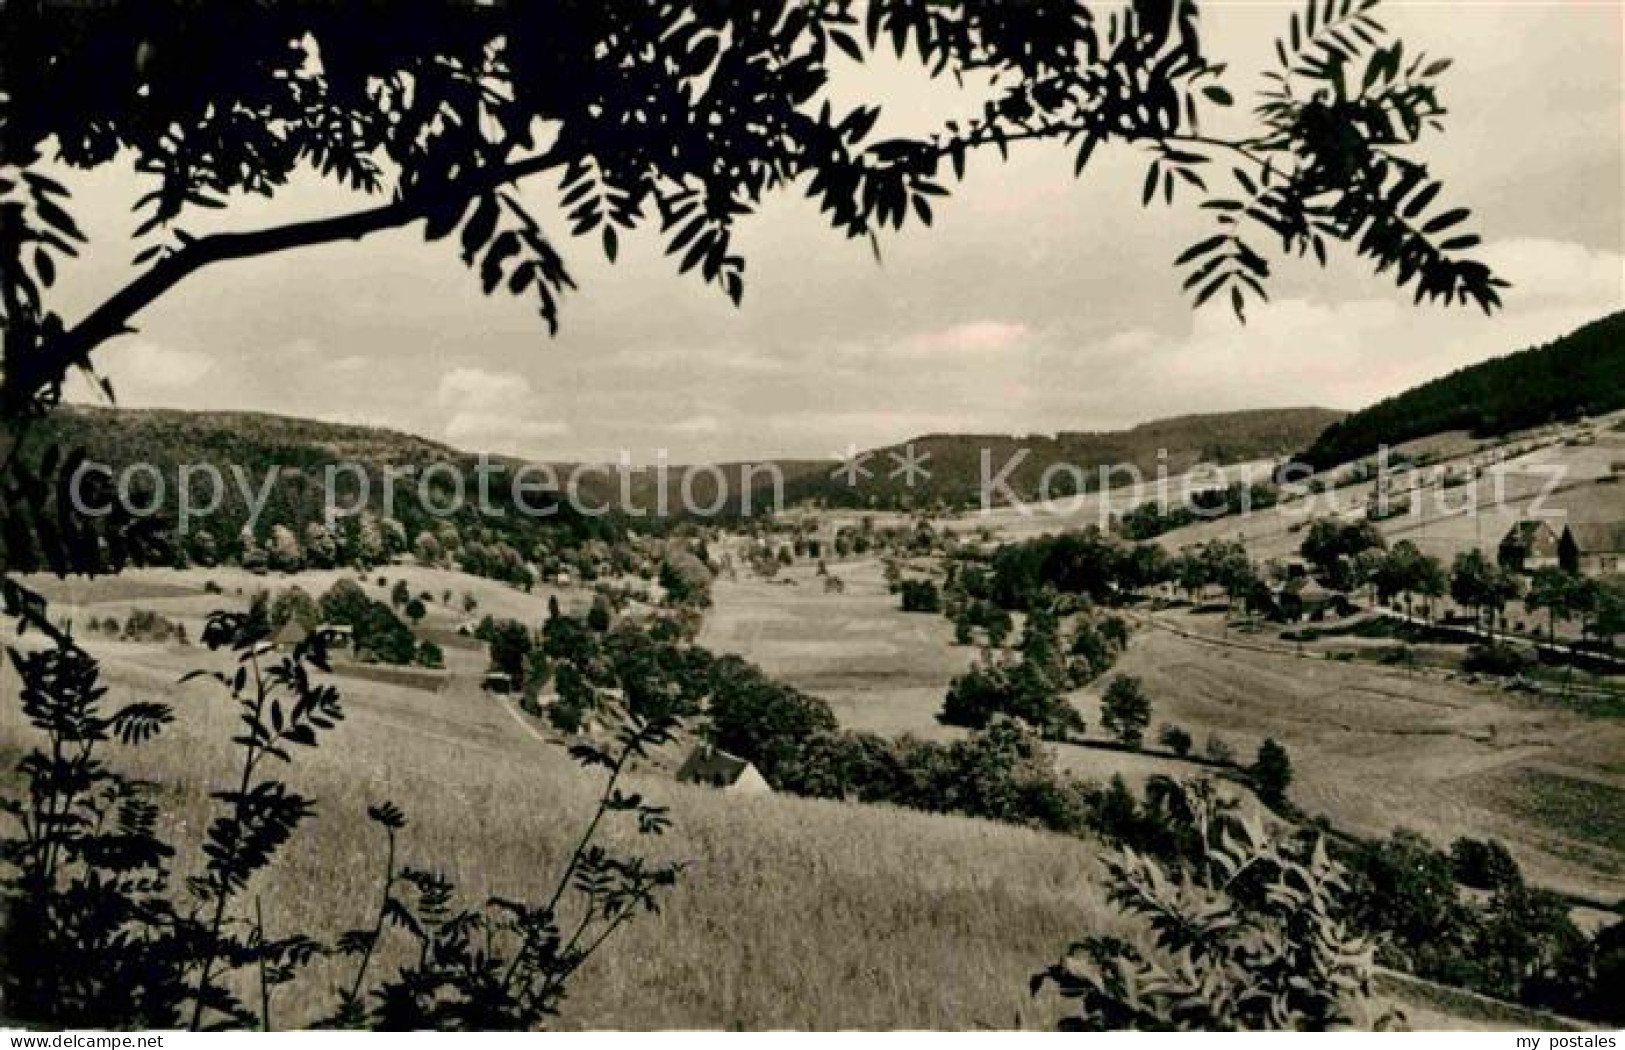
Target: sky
{"x":1036,"y":303}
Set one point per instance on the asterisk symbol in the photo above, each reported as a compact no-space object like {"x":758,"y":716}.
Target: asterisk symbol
{"x":852,"y":465}
{"x":910,"y":463}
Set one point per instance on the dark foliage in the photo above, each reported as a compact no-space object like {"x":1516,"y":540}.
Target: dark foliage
{"x":1577,"y":375}
{"x":1517,"y":944}
{"x":761,"y":720}
{"x":1498,"y":659}
{"x":1247,"y":933}
{"x":1271,"y":774}
{"x":920,"y":596}
{"x":1126,"y":711}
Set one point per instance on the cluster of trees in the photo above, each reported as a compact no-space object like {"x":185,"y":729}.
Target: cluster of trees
{"x":1405,"y":572}
{"x":1597,"y":602}
{"x":1342,"y":552}
{"x":686,"y":578}
{"x":1508,"y":940}
{"x":1218,"y":563}
{"x":377,"y":631}
{"x":1087,"y":564}
{"x":1152,"y":519}
{"x":598,"y":660}
{"x":1031,"y":684}
{"x":970,"y":615}
{"x":1001,"y":772}
{"x":290,"y":530}
{"x":141,"y":625}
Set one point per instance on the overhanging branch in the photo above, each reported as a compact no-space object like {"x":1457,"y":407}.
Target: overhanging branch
{"x":114,"y":315}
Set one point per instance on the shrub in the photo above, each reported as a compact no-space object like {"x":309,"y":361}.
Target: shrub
{"x":1497,"y":658}
{"x":1174,"y":739}
{"x":1271,"y":774}
{"x":760,"y":720}
{"x":920,"y":596}
{"x":144,"y":625}
{"x":1017,"y":690}
{"x":1484,"y":864}
{"x":1250,"y":937}
{"x":429,"y":655}
{"x":1218,"y":750}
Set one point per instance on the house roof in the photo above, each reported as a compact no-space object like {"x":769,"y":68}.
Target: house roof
{"x":1597,"y":537}
{"x":1309,"y":589}
{"x":290,"y":633}
{"x":1532,"y":534}
{"x":706,"y":764}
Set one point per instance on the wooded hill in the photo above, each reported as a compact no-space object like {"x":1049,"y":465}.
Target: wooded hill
{"x":956,"y":459}
{"x":1583,"y":373}
{"x":245,"y":447}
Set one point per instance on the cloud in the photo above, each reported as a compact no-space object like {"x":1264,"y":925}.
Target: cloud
{"x":708,"y":359}
{"x":158,"y":367}
{"x":971,"y":340}
{"x":976,"y":337}
{"x":349,"y":364}
{"x":1547,"y":271}
{"x":301,"y":348}
{"x":143,"y":374}
{"x":701,"y":424}
{"x":495,"y":411}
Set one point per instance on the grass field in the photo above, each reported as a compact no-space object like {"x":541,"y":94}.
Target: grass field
{"x":1373,"y":747}
{"x":879,"y":668}
{"x":795,"y":913}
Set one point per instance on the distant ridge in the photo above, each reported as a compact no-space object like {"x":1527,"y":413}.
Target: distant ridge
{"x":171,"y":437}
{"x":956,"y":468}
{"x":1582,"y":373}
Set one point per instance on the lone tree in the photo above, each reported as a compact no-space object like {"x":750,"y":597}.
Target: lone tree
{"x":1126,"y":710}
{"x":1271,"y":773}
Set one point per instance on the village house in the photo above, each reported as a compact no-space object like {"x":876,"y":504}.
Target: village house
{"x":289,"y":636}
{"x":1529,"y":545}
{"x":1306,"y":598}
{"x":1593,"y":548}
{"x":707,"y":765}
{"x":340,"y":636}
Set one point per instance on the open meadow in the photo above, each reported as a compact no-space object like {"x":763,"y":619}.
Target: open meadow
{"x":793,"y":913}
{"x":1373,"y":748}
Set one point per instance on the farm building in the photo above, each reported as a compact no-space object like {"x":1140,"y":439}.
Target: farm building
{"x":497,"y":682}
{"x":1529,"y":545}
{"x":1305,"y":598}
{"x":1593,"y":548}
{"x":288,"y":636}
{"x":340,"y":636}
{"x":718,"y":769}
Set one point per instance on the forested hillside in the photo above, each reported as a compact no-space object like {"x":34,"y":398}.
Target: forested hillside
{"x":956,"y":470}
{"x":282,"y":466}
{"x":1583,"y":373}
